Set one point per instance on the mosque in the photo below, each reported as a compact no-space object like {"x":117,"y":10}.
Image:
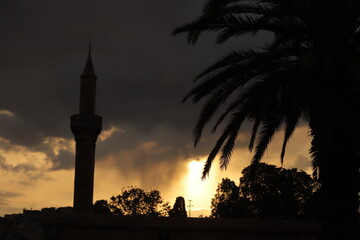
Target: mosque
{"x":82,"y":224}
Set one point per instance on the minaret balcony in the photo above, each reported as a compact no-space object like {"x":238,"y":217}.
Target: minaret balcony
{"x":86,"y":125}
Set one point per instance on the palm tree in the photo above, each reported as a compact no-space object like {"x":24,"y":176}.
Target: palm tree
{"x":309,"y":71}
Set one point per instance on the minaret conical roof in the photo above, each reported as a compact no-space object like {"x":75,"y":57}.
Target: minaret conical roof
{"x":89,"y":67}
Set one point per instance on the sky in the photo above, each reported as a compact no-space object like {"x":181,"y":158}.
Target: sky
{"x":143,"y":74}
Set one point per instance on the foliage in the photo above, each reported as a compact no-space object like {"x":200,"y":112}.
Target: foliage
{"x":309,"y":71}
{"x":102,"y":207}
{"x":269,"y":192}
{"x":179,"y":208}
{"x":276,"y":192}
{"x":134,"y":201}
{"x":228,"y":203}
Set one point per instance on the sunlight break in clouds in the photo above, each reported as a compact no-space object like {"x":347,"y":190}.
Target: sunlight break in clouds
{"x":106,"y":134}
{"x":195,"y":187}
{"x":201,"y":192}
{"x":6,"y":113}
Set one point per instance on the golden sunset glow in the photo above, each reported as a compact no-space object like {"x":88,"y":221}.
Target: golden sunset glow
{"x":29,"y":172}
{"x":6,"y":113}
{"x":199,"y":191}
{"x":193,"y":179}
{"x":195,"y":188}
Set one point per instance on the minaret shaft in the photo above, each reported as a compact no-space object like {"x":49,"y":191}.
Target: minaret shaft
{"x":86,"y":127}
{"x":87,"y":95}
{"x":84,"y":176}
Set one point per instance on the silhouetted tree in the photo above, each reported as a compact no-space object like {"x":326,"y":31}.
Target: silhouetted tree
{"x":275,"y":192}
{"x":269,"y":192}
{"x":179,"y":208}
{"x":311,"y":207}
{"x":135,"y":201}
{"x":227,"y":202}
{"x":102,"y":207}
{"x":310,"y":71}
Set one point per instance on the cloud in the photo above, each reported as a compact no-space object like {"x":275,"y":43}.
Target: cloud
{"x":106,"y":134}
{"x":143,"y":70}
{"x":6,"y":195}
{"x":303,"y":163}
{"x":148,"y":156}
{"x":6,"y":113}
{"x":31,"y":172}
{"x":19,"y":131}
{"x":63,"y":160}
{"x":143,"y":73}
{"x":22,"y":167}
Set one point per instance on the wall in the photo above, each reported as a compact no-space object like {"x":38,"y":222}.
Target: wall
{"x":71,"y":227}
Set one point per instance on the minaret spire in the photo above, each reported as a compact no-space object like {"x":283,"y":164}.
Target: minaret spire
{"x":89,"y":67}
{"x":86,"y":127}
{"x":88,"y":87}
{"x":89,"y":47}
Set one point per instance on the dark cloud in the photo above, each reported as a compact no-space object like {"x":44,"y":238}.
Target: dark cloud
{"x":63,"y":160}
{"x":21,"y":167}
{"x":155,"y":155}
{"x":19,"y":131}
{"x":143,"y":73}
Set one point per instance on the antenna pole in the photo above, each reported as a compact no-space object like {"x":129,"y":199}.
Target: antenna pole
{"x":190,"y":207}
{"x":91,"y":18}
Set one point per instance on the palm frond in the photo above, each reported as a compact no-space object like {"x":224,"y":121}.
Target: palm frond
{"x":253,"y":134}
{"x":234,"y":25}
{"x":215,"y":5}
{"x":291,"y":121}
{"x":212,"y":83}
{"x":228,"y":60}
{"x":270,"y":86}
{"x":213,"y":154}
{"x":236,"y":20}
{"x":237,"y":102}
{"x":269,"y":128}
{"x":218,"y":97}
{"x":234,"y":124}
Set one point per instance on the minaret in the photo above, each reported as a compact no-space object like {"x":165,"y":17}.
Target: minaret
{"x":86,"y":127}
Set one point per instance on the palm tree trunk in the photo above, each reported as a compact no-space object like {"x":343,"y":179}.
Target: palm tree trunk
{"x":334,"y":130}
{"x":339,"y":194}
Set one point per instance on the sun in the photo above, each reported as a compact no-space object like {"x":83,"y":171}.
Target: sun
{"x":196,"y":189}
{"x":193,"y":178}
{"x":195,"y":168}
{"x":200,"y":191}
